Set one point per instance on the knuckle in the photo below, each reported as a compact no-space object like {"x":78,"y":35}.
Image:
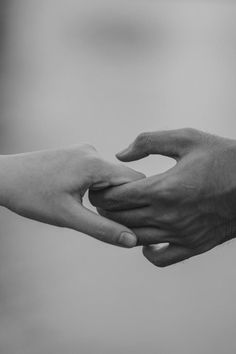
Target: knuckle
{"x":82,"y":154}
{"x":85,"y":152}
{"x":189,"y":132}
{"x":83,"y":149}
{"x":143,"y":140}
{"x":89,"y":152}
{"x":88,"y":147}
{"x":168,"y":188}
{"x":168,"y":218}
{"x":190,"y":135}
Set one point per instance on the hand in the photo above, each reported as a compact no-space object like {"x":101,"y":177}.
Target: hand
{"x":49,"y":186}
{"x":192,"y":206}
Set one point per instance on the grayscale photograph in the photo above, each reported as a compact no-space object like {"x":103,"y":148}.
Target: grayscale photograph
{"x":117,"y":177}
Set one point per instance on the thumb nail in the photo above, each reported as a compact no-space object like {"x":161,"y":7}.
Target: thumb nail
{"x":127,"y":239}
{"x":123,"y":152}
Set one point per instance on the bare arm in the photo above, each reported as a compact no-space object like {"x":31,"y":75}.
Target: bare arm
{"x":49,"y":186}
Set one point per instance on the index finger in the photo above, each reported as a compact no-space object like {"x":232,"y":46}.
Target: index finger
{"x":127,"y":196}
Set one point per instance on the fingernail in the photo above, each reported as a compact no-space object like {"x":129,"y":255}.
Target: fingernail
{"x":123,"y":152}
{"x":127,"y":239}
{"x":159,"y":246}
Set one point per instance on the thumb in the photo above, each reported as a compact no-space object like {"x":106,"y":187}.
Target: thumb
{"x":172,"y":143}
{"x":86,"y":221}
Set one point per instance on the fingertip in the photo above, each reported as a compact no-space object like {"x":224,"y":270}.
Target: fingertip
{"x":121,"y":156}
{"x":128,"y":239}
{"x":163,"y":255}
{"x":153,"y":253}
{"x":125,"y":155}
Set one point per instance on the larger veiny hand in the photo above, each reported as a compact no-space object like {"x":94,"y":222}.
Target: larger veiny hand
{"x":192,"y":206}
{"x":49,"y":186}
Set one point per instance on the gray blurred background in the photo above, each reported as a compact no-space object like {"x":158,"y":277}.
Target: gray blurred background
{"x":101,"y":72}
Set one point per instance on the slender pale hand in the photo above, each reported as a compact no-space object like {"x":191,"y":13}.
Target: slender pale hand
{"x":192,"y":206}
{"x":49,"y":186}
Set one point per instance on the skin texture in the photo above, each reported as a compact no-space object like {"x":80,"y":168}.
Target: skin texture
{"x":185,"y":211}
{"x":49,"y":186}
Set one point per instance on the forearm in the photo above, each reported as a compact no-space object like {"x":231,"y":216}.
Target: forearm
{"x":48,"y":186}
{"x":8,"y":179}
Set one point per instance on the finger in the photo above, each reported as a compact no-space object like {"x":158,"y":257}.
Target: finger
{"x":109,"y":174}
{"x":172,"y":143}
{"x":88,"y":222}
{"x":128,"y":196}
{"x":151,"y":235}
{"x":166,"y":255}
{"x":131,"y":218}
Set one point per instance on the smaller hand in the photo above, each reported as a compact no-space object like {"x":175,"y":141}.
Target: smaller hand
{"x":49,"y":186}
{"x":192,"y":206}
